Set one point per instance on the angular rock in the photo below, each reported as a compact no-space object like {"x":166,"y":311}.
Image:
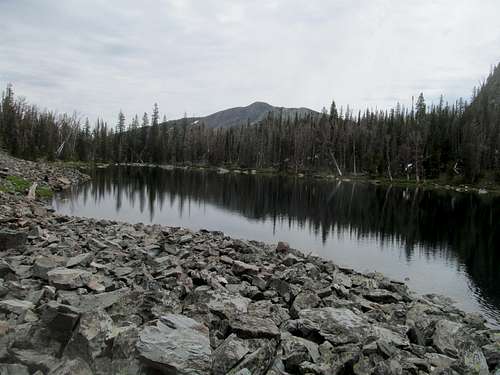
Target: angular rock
{"x":228,"y":305}
{"x":492,"y":354}
{"x":71,"y":367}
{"x":12,"y":239}
{"x":4,"y":328}
{"x":185,"y":239}
{"x":290,"y":260}
{"x":124,"y":359}
{"x":297,"y":350}
{"x":392,"y":336}
{"x":228,"y":354}
{"x":266,"y":309}
{"x":44,"y":264}
{"x":258,"y":362}
{"x":122,"y":271}
{"x":244,"y":268}
{"x":13,"y":369}
{"x":33,"y":359}
{"x":304,"y":300}
{"x":65,"y":278}
{"x":282,"y":287}
{"x":90,"y":338}
{"x":96,"y":245}
{"x":472,"y":359}
{"x":176,"y":344}
{"x":5,"y":269}
{"x":439,"y":360}
{"x":282,"y":247}
{"x":248,"y":326}
{"x":15,"y":306}
{"x":82,"y":259}
{"x":336,"y":325}
{"x":444,"y":337}
{"x":88,"y":303}
{"x":381,"y":296}
{"x":59,"y":320}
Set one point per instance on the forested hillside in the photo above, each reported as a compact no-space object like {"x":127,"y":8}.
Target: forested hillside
{"x":457,"y":140}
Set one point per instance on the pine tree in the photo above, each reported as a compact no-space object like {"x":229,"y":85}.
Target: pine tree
{"x":154,"y":141}
{"x":120,"y":135}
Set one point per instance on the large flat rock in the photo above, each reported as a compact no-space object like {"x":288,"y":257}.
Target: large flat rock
{"x":176,"y":344}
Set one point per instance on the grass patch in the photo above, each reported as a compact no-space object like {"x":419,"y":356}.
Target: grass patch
{"x":44,"y":192}
{"x":15,"y":184}
{"x":19,"y":185}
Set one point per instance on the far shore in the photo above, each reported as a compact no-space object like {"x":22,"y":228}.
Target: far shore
{"x":448,"y":184}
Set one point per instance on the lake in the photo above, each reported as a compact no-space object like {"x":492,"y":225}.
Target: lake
{"x":437,"y":241}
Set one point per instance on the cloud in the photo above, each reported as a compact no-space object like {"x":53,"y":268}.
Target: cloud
{"x":97,"y":56}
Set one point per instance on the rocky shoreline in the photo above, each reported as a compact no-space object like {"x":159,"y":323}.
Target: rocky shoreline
{"x":83,"y":296}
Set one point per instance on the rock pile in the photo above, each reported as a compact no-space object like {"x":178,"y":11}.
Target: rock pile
{"x":44,"y":174}
{"x":82,"y":296}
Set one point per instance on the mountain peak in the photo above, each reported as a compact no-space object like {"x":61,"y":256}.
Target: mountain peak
{"x":259,"y":103}
{"x":252,"y":114}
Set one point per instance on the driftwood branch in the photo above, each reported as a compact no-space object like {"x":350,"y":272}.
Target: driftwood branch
{"x":32,"y":191}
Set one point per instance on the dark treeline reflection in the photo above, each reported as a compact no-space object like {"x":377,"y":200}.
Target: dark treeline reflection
{"x":455,"y":226}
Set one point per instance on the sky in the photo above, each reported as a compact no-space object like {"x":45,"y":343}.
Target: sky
{"x":97,"y":57}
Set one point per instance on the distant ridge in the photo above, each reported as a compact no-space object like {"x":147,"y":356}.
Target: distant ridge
{"x":252,"y":114}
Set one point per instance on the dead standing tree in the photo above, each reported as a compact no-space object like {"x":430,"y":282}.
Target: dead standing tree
{"x":329,"y":146}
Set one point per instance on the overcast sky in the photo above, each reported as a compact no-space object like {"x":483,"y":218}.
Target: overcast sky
{"x":199,"y":56}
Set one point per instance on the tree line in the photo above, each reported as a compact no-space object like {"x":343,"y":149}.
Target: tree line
{"x":423,"y":141}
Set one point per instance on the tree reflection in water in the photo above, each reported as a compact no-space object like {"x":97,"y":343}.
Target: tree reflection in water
{"x":464,"y":228}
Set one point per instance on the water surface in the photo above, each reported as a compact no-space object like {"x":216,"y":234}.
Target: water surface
{"x":437,"y":241}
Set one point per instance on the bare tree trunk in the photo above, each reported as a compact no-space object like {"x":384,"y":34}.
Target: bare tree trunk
{"x":32,"y":191}
{"x":354,"y":156}
{"x":336,"y":164}
{"x":388,"y":163}
{"x":417,"y":169}
{"x":417,"y":158}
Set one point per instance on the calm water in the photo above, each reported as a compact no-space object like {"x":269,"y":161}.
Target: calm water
{"x":440,"y":242}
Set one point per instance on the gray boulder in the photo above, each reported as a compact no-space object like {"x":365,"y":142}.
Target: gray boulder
{"x":240,"y":268}
{"x":65,"y":278}
{"x":304,"y":300}
{"x":90,"y":338}
{"x":472,"y":359}
{"x":297,"y":350}
{"x":72,"y":367}
{"x":124,"y":359}
{"x":381,"y":296}
{"x":92,"y":302}
{"x":176,"y":344}
{"x":257,"y":362}
{"x":44,"y":264}
{"x":5,"y":269}
{"x":282,"y":247}
{"x":12,"y":239}
{"x":13,"y":369}
{"x":15,"y":306}
{"x":248,"y":326}
{"x":59,"y":320}
{"x":444,"y":338}
{"x":33,"y":359}
{"x":336,"y":325}
{"x":228,"y":354}
{"x":492,"y":354}
{"x":282,"y":287}
{"x":83,"y":259}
